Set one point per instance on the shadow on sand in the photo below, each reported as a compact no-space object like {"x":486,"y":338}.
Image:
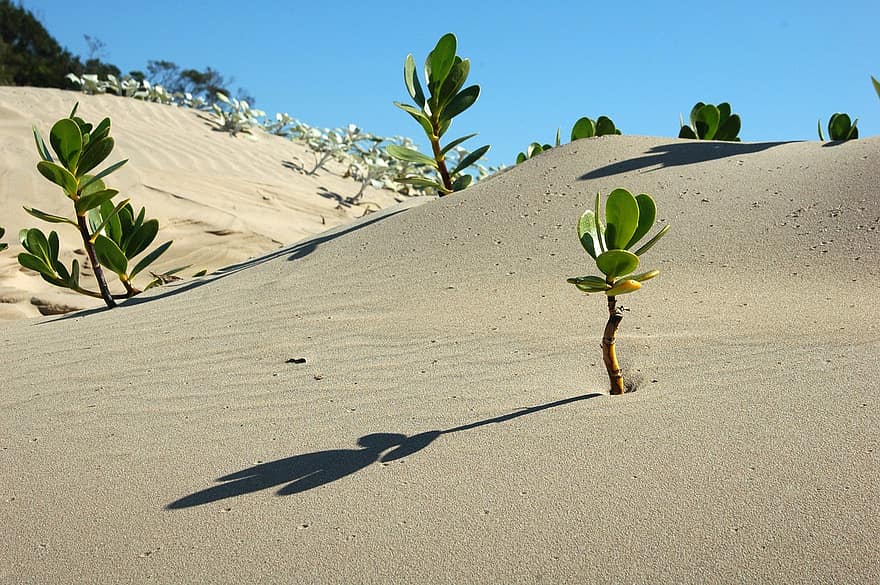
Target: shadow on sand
{"x":678,"y":154}
{"x":311,"y":470}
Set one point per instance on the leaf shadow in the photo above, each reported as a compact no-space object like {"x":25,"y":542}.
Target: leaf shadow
{"x":308,"y":471}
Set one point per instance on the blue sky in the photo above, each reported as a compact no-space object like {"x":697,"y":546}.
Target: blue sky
{"x":540,"y":65}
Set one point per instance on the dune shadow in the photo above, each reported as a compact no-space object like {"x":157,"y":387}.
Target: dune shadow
{"x":679,"y":154}
{"x":308,"y":471}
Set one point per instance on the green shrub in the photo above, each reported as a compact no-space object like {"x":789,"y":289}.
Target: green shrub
{"x":445,"y":74}
{"x":627,"y":220}
{"x":840,"y":127}
{"x":111,"y":234}
{"x":583,"y":128}
{"x":709,"y":122}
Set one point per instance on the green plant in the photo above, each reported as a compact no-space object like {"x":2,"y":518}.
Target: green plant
{"x":235,"y":115}
{"x":3,"y":245}
{"x":445,"y":74}
{"x":627,"y":220}
{"x":583,"y":128}
{"x":709,"y":122}
{"x":840,"y":127}
{"x":588,"y":128}
{"x":876,"y":85}
{"x":111,"y":234}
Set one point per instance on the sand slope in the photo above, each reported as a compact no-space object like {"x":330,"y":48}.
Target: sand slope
{"x":222,"y":199}
{"x":450,"y":423}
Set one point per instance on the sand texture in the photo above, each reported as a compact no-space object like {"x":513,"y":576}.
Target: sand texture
{"x":419,"y":397}
{"x":222,"y":199}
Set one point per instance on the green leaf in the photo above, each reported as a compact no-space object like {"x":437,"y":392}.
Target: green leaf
{"x":58,"y":175}
{"x":440,"y":61}
{"x":94,"y":154}
{"x":461,"y":102}
{"x":107,"y":216}
{"x":150,"y":258}
{"x":819,"y":127}
{"x":621,"y":219}
{"x":104,"y":173}
{"x":647,"y":215}
{"x":454,"y":82}
{"x":73,"y":279}
{"x":41,"y":146}
{"x":67,"y":142}
{"x":839,"y":126}
{"x":420,"y":117}
{"x":456,"y":142}
{"x":600,"y":229}
{"x":876,"y":85}
{"x":410,"y":155}
{"x":520,"y":158}
{"x":686,"y":132}
{"x":586,"y":229}
{"x":623,"y":287}
{"x":729,"y":129}
{"x":590,"y":283}
{"x":462,"y":182}
{"x":142,"y":237}
{"x":411,"y":79}
{"x":110,"y":256}
{"x":652,"y":241}
{"x":34,"y":263}
{"x":100,"y":132}
{"x":583,"y":128}
{"x":49,"y":217}
{"x":605,"y":127}
{"x":93,"y":200}
{"x":706,"y":121}
{"x":616,"y":263}
{"x":470,"y":159}
{"x":642,"y":277}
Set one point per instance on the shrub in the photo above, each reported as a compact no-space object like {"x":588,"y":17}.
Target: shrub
{"x":627,"y":220}
{"x":583,"y":128}
{"x":840,"y":127}
{"x":709,"y":122}
{"x":111,"y":234}
{"x":235,"y":115}
{"x":445,"y":74}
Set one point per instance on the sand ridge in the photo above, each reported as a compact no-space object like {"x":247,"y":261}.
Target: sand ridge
{"x":419,"y":397}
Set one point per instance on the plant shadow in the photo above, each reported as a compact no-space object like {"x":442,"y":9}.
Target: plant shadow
{"x":308,"y":471}
{"x":679,"y":154}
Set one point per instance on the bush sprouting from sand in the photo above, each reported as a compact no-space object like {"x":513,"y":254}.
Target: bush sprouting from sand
{"x":840,"y":127}
{"x":445,"y":75}
{"x":710,"y":122}
{"x":111,"y":234}
{"x":584,"y":128}
{"x":628,"y":219}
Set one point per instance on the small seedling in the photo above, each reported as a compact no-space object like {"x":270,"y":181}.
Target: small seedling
{"x":3,"y":245}
{"x":709,"y":122}
{"x":111,"y":234}
{"x":840,"y":127}
{"x":627,"y":220}
{"x":445,"y":74}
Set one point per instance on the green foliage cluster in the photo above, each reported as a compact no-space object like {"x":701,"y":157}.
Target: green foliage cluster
{"x":445,"y":76}
{"x":112,"y":235}
{"x":583,"y":128}
{"x":233,"y":115}
{"x":710,"y":122}
{"x":627,"y":220}
{"x":840,"y":127}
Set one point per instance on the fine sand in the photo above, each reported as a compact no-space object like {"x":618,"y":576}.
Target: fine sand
{"x":419,"y":397}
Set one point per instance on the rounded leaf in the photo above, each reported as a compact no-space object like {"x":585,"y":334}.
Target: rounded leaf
{"x":623,"y":287}
{"x":616,"y":263}
{"x":643,"y":276}
{"x":647,"y":215}
{"x":110,"y":256}
{"x":67,"y":142}
{"x":58,"y":175}
{"x":583,"y":128}
{"x":621,"y":219}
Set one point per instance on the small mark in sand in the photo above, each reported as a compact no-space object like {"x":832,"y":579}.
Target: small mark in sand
{"x":296,"y":361}
{"x":318,"y":376}
{"x":303,"y":526}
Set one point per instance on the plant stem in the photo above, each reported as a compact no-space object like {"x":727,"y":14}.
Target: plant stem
{"x":93,"y":258}
{"x":609,"y":355}
{"x":441,"y":164}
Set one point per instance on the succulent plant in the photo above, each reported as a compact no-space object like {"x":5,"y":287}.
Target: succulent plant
{"x":235,"y":115}
{"x":588,"y":128}
{"x":840,"y":127}
{"x":709,"y":122}
{"x":445,"y":74}
{"x":628,"y":220}
{"x":111,"y":234}
{"x":583,"y":128}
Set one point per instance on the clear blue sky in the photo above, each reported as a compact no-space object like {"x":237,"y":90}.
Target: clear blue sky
{"x":540,"y":65}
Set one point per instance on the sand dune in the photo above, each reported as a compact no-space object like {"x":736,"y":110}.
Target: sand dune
{"x":222,"y":199}
{"x":419,"y":397}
